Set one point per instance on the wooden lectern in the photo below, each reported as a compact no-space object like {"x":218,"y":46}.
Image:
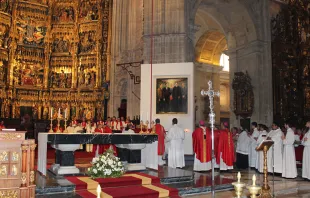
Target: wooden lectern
{"x":17,"y":174}
{"x":265,"y":146}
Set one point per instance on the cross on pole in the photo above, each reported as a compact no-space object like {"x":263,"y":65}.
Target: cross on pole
{"x":211,"y":94}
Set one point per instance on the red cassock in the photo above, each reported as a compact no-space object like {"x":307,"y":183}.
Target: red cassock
{"x":160,"y":131}
{"x":202,"y":144}
{"x":216,"y":143}
{"x":105,"y":147}
{"x":226,"y":147}
{"x":100,"y":149}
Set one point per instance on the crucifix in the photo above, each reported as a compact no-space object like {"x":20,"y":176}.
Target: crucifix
{"x":211,"y":94}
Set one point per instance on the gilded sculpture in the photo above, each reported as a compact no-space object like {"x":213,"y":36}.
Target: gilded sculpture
{"x":54,"y":53}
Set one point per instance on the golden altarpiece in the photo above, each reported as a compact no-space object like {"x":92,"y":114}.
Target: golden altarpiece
{"x":54,"y":53}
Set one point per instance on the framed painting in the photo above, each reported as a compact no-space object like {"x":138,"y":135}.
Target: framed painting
{"x":171,"y":95}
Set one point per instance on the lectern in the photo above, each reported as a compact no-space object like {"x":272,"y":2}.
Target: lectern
{"x":264,"y":146}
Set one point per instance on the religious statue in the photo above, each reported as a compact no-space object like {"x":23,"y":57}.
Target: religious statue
{"x":60,"y":45}
{"x":2,"y":73}
{"x":17,"y":110}
{"x":87,"y":78}
{"x":16,"y":75}
{"x":69,"y":80}
{"x":88,"y":114}
{"x":62,"y":79}
{"x":14,"y":170}
{"x":88,"y":11}
{"x":35,"y":111}
{"x":6,"y":108}
{"x":3,"y":35}
{"x":81,"y":77}
{"x":3,"y":170}
{"x":45,"y":111}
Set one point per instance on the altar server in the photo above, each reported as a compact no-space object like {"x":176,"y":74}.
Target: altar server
{"x":78,"y":128}
{"x":260,"y":155}
{"x":274,"y":154}
{"x":252,"y":146}
{"x":242,"y":150}
{"x":161,"y":133}
{"x":174,"y":142}
{"x":289,"y":160}
{"x":306,"y":154}
{"x":202,"y":147}
{"x":226,"y":153}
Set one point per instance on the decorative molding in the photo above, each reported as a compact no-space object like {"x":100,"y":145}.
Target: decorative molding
{"x":127,"y":66}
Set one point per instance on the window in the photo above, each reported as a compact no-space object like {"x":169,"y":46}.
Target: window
{"x":224,"y":62}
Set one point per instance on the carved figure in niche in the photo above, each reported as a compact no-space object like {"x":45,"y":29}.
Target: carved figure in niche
{"x":4,"y":5}
{"x":69,"y":80}
{"x":2,"y":73}
{"x":3,"y":170}
{"x":29,"y":33}
{"x":87,"y":42}
{"x":14,"y":170}
{"x":45,"y":111}
{"x":3,"y":35}
{"x":81,"y":76}
{"x":88,"y":114}
{"x":35,"y":111}
{"x":88,"y":11}
{"x":64,"y":15}
{"x":93,"y":78}
{"x":6,"y":108}
{"x":16,"y":75}
{"x":87,"y":78}
{"x":17,"y":110}
{"x":60,"y":45}
{"x":62,"y":79}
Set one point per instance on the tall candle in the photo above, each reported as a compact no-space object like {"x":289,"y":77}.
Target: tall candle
{"x":66,"y":113}
{"x":59,"y":113}
{"x":254,"y":180}
{"x":51,"y":112}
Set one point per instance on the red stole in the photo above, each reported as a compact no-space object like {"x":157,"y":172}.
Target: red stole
{"x":160,"y":131}
{"x":202,"y":144}
{"x":226,"y":147}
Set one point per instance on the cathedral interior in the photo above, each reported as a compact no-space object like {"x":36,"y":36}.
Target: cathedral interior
{"x":85,"y":56}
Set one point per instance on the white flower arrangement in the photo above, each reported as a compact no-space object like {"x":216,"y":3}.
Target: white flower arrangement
{"x":106,"y":165}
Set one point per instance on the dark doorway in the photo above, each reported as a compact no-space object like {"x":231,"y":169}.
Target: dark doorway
{"x":122,"y":110}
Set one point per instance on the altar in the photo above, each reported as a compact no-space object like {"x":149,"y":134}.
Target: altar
{"x":66,"y":144}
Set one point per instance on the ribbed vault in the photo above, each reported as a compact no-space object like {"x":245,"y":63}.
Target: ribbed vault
{"x":210,"y":46}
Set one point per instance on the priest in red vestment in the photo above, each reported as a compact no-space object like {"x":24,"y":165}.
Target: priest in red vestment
{"x":98,"y":149}
{"x":202,"y":147}
{"x":226,"y":154}
{"x":107,"y":129}
{"x":160,"y":131}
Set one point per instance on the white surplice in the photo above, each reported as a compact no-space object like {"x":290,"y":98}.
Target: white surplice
{"x":306,"y":156}
{"x":260,"y":154}
{"x":252,"y":147}
{"x":289,"y":160}
{"x":243,"y":143}
{"x":175,"y":146}
{"x":274,"y":155}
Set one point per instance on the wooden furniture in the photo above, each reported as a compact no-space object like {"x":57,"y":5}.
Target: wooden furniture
{"x":17,"y":174}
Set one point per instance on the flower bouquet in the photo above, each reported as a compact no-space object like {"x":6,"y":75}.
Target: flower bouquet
{"x":106,"y":166}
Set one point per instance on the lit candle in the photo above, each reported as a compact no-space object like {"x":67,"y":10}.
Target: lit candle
{"x":254,"y":179}
{"x":51,"y":112}
{"x":66,"y":113}
{"x":59,"y":113}
{"x":239,"y":177}
{"x":98,"y":191}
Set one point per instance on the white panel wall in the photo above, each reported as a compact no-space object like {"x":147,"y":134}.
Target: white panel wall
{"x":168,"y":70}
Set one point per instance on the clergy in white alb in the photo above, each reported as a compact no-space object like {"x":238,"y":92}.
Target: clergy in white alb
{"x":306,"y":154}
{"x":252,"y":146}
{"x":274,"y":155}
{"x":289,"y":160}
{"x":175,"y":142}
{"x":242,"y":150}
{"x":260,"y":154}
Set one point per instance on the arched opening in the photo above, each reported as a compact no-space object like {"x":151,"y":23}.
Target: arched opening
{"x":224,"y":62}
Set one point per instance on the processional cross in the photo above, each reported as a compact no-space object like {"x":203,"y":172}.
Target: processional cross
{"x":211,"y":94}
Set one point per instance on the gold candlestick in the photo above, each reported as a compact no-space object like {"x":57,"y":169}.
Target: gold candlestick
{"x":58,"y":126}
{"x":254,"y":190}
{"x":141,"y":126}
{"x":65,"y":131}
{"x":266,"y":188}
{"x":238,"y":186}
{"x":51,"y":126}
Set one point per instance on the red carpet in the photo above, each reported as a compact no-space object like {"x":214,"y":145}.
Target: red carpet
{"x":135,"y":185}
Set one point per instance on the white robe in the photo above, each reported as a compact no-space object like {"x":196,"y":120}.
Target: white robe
{"x":243,"y":143}
{"x":289,"y":160}
{"x":260,"y":154}
{"x":274,"y":155}
{"x":174,"y":142}
{"x":306,"y":157}
{"x":252,"y":147}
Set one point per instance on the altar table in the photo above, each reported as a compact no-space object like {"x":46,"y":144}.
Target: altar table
{"x":66,"y":144}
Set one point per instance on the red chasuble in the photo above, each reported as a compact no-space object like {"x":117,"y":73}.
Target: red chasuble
{"x":105,"y":147}
{"x":160,"y":131}
{"x":100,"y":150}
{"x":202,"y":144}
{"x":226,"y":147}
